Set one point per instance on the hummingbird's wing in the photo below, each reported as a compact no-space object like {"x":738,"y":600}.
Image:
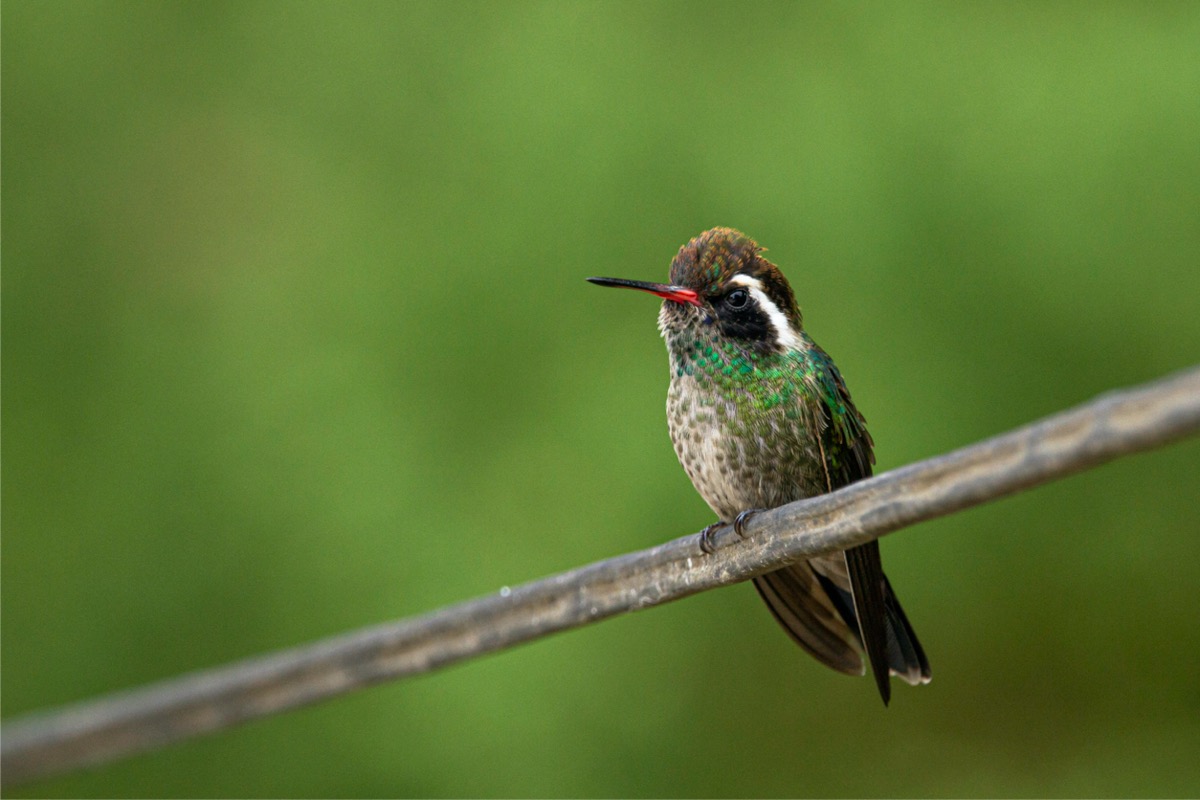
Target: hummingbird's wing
{"x":833,"y":606}
{"x":838,"y":605}
{"x":847,"y":450}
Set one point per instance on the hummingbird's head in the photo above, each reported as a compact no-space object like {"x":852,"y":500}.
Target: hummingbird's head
{"x":720,"y":280}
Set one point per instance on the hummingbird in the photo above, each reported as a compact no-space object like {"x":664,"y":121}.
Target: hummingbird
{"x":760,"y":416}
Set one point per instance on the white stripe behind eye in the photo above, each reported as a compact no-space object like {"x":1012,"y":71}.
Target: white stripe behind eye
{"x":785,"y":337}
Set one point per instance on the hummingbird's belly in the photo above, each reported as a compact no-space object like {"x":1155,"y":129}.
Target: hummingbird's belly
{"x":739,"y":458}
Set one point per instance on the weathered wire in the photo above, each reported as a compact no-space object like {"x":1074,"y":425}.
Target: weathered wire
{"x":119,"y":725}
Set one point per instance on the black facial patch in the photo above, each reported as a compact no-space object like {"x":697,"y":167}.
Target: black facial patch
{"x":740,"y":317}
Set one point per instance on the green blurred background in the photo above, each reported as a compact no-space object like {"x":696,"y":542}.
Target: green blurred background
{"x":296,"y":339}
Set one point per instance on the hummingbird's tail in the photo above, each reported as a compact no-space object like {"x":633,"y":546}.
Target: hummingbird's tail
{"x":811,"y":604}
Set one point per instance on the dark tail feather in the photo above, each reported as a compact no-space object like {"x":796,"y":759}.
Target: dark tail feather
{"x":795,"y":598}
{"x":866,"y":582}
{"x":906,"y":658}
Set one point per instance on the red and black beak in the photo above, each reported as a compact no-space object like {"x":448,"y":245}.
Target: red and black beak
{"x":666,"y":291}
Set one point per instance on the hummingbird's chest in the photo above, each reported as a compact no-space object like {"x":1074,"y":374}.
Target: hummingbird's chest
{"x":747,"y":433}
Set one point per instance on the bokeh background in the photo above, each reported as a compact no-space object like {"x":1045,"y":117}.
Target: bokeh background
{"x":296,"y":339}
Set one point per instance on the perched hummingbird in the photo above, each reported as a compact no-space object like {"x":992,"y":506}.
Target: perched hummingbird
{"x":760,"y":416}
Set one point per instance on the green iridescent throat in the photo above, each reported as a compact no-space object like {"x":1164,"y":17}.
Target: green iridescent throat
{"x":754,"y":379}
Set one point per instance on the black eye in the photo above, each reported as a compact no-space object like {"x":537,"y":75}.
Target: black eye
{"x":738,"y":298}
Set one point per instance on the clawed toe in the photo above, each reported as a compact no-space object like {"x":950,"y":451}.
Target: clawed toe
{"x":739,"y":524}
{"x":707,"y":545}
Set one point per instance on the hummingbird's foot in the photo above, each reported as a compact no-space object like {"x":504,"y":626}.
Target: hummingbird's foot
{"x":708,"y":546}
{"x":739,"y":524}
{"x":706,"y":543}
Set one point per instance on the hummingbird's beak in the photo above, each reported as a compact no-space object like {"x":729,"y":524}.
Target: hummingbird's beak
{"x":666,"y":291}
